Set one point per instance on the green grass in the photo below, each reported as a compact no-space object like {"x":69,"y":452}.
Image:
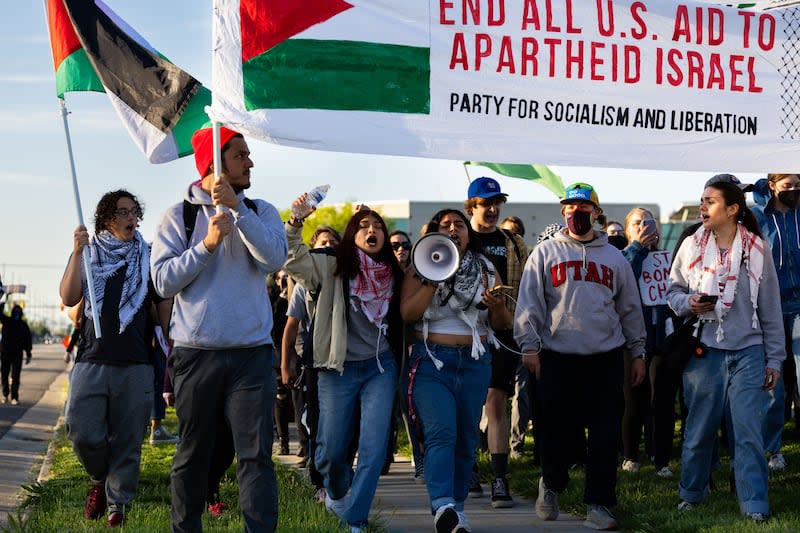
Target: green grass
{"x":56,"y":505}
{"x":648,"y":503}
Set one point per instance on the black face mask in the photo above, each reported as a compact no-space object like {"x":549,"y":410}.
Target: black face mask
{"x":618,"y":241}
{"x":579,"y":222}
{"x":789,"y":198}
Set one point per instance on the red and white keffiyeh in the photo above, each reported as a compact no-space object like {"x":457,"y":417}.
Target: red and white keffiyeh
{"x":372,"y":287}
{"x":712,"y":272}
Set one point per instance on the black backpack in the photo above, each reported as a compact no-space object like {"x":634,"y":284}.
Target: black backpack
{"x":190,"y":216}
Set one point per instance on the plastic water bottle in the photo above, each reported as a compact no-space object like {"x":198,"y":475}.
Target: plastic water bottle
{"x":315,"y":196}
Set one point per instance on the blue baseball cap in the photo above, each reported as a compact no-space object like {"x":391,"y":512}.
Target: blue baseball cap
{"x":581,"y":192}
{"x":484,"y":188}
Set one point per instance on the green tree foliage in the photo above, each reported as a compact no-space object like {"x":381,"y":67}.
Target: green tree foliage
{"x":335,"y":217}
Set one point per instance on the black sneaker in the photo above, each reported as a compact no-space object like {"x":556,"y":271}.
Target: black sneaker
{"x":446,"y":519}
{"x":501,"y":497}
{"x":475,"y":489}
{"x":284,"y":447}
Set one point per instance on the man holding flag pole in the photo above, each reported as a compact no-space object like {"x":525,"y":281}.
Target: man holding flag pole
{"x":214,"y":263}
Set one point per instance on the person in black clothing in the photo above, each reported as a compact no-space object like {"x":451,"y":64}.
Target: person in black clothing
{"x":111,"y":388}
{"x":16,"y":339}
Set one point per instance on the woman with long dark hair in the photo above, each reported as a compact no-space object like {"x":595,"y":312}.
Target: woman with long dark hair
{"x":356,"y":314}
{"x":450,"y":364}
{"x":724,"y":274}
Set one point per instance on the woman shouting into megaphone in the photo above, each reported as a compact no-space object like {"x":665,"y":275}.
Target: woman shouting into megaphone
{"x":450,"y":363}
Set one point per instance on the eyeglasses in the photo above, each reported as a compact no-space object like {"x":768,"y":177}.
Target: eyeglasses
{"x":124,"y":213}
{"x":404,"y":245}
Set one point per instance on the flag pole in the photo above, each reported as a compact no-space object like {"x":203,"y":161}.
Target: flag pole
{"x":469,"y":180}
{"x":215,"y":138}
{"x":87,"y":264}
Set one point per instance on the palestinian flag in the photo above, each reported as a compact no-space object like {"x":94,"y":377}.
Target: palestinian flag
{"x":284,"y":66}
{"x":94,"y":50}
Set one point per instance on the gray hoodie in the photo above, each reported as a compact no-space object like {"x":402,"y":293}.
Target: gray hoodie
{"x":737,"y":324}
{"x":220,"y":298}
{"x":578,"y":298}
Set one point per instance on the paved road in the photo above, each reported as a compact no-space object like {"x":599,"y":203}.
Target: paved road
{"x":46,"y":365}
{"x":26,"y":429}
{"x":403,"y":506}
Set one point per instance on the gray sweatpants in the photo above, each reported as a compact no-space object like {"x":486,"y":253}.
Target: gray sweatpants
{"x":107,"y":416}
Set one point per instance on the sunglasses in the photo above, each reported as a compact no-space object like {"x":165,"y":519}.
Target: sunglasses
{"x":403,"y":245}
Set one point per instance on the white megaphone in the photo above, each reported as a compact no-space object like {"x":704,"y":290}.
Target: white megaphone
{"x":435,"y":257}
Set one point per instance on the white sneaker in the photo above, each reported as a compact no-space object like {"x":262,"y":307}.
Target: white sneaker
{"x":463,"y":523}
{"x":757,"y":517}
{"x":337,"y":507}
{"x":664,"y":471}
{"x":600,"y":518}
{"x":777,"y":462}
{"x":630,"y":466}
{"x":546,"y":502}
{"x":685,"y":506}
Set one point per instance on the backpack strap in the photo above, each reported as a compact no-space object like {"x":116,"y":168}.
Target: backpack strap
{"x":251,"y":204}
{"x":189,"y":219}
{"x":190,"y":216}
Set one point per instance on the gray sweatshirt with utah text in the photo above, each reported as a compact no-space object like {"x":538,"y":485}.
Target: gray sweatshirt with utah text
{"x":578,"y":298}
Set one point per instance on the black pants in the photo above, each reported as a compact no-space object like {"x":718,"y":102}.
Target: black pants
{"x":238,"y":385}
{"x":665,"y":380}
{"x":221,"y":459}
{"x":636,"y":416}
{"x":577,"y":390}
{"x":312,"y":419}
{"x":11,"y":362}
{"x":283,"y":410}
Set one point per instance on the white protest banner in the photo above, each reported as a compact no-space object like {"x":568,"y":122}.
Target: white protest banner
{"x":654,"y":281}
{"x":656,"y":84}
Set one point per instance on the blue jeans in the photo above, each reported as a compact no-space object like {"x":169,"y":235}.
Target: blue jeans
{"x":774,"y":420}
{"x":792,"y":325}
{"x":448,"y":403}
{"x":736,"y":377}
{"x":360,"y":387}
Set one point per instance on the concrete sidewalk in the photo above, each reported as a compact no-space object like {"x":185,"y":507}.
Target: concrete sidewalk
{"x":23,"y":447}
{"x":403,"y":506}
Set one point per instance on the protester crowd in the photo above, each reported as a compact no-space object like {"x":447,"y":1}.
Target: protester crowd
{"x":355,"y":338}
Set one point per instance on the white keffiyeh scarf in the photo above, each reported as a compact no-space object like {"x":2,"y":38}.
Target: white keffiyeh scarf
{"x":712,"y":272}
{"x":108,"y":254}
{"x":461,"y":294}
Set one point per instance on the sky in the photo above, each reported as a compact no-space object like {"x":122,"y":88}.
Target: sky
{"x":37,"y":207}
